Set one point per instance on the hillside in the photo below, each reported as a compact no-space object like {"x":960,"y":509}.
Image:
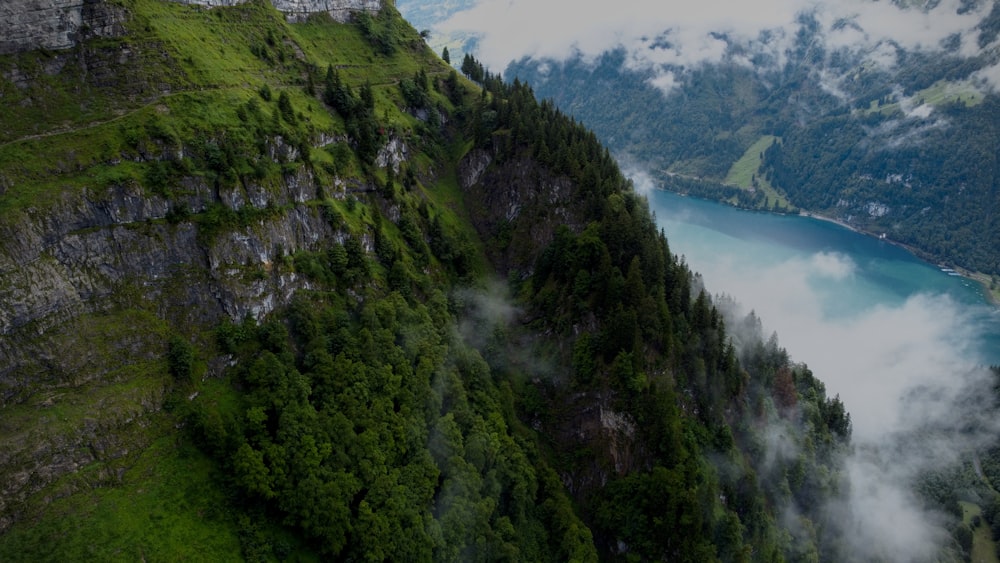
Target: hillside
{"x":890,"y":139}
{"x":290,"y":288}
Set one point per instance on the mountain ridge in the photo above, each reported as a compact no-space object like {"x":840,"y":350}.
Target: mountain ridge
{"x":272,"y":327}
{"x":27,"y":25}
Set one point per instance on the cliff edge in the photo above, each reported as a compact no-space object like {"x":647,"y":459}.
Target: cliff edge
{"x":27,"y":25}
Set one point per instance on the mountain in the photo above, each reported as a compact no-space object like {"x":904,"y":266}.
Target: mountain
{"x":278,"y":286}
{"x":866,"y":117}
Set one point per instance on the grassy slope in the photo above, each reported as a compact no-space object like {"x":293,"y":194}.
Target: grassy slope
{"x":940,"y":93}
{"x":166,"y":508}
{"x":983,"y":548}
{"x":163,"y":504}
{"x":744,"y":171}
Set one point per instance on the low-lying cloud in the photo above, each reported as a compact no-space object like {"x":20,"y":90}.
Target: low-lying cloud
{"x":873,"y":359}
{"x":907,"y":370}
{"x":664,"y":36}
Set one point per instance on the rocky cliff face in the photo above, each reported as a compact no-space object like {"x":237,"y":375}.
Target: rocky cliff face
{"x":517,"y":205}
{"x":340,"y":10}
{"x":97,"y":258}
{"x":60,"y":24}
{"x":297,"y":10}
{"x":55,"y":24}
{"x":95,"y":281}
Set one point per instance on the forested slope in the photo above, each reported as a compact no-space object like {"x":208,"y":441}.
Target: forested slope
{"x":317,"y":297}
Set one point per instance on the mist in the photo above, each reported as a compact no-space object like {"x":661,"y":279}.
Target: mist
{"x":907,"y":369}
{"x":668,"y":37}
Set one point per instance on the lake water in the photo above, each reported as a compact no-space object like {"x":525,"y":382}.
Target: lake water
{"x":900,"y":341}
{"x":849,"y":276}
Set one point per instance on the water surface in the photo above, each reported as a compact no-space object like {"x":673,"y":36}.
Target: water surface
{"x":850,"y":274}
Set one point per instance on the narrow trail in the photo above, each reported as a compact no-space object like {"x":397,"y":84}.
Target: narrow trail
{"x":159,"y":98}
{"x":93,"y":124}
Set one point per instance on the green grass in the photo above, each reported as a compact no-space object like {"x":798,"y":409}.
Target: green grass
{"x":221,"y":57}
{"x":214,"y":46}
{"x":96,"y":157}
{"x":745,"y":171}
{"x":742,"y":172}
{"x":344,"y":47}
{"x":68,"y":141}
{"x":162,"y":501}
{"x":447,"y":193}
{"x":146,"y":497}
{"x":216,"y":60}
{"x":983,"y":546}
{"x":167,"y":508}
{"x":97,"y":386}
{"x":940,"y":93}
{"x":102,"y":347}
{"x":943,"y":92}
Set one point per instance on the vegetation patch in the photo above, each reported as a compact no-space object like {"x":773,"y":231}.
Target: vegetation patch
{"x":746,"y":173}
{"x":167,"y":507}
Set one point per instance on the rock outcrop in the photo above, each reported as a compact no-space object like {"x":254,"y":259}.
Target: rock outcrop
{"x":523,"y":220}
{"x":94,"y":281}
{"x":297,"y":10}
{"x":340,"y":10}
{"x":87,"y":284}
{"x":27,"y":25}
{"x":76,"y":257}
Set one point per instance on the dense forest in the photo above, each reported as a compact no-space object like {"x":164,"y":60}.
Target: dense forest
{"x":480,"y":346}
{"x":379,"y":410}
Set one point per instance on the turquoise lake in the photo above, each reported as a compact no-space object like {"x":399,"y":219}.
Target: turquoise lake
{"x":848,"y":274}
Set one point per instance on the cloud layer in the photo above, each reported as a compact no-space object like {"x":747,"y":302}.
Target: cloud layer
{"x":659,"y":34}
{"x":873,"y":358}
{"x":906,"y":369}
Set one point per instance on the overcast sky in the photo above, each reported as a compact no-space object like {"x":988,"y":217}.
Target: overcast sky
{"x":684,"y":33}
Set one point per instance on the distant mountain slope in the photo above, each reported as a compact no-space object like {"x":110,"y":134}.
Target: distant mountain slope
{"x":891,"y":139}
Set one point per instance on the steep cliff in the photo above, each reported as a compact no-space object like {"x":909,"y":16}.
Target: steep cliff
{"x":100,"y":263}
{"x":298,"y":10}
{"x":245,"y":311}
{"x":27,"y":25}
{"x":55,"y":24}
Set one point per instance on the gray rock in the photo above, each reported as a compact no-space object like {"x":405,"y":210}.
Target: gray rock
{"x":55,"y":24}
{"x":60,"y":24}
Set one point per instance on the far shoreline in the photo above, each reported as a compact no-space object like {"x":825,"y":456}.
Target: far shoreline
{"x":984,"y":280}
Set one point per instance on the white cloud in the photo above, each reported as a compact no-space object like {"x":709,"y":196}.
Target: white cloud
{"x":989,"y":76}
{"x":923,"y":111}
{"x":831,"y":265}
{"x":641,"y":181}
{"x":664,"y":82}
{"x":874,"y":359}
{"x":677,"y":33}
{"x":906,"y":370}
{"x":883,"y":56}
{"x":831,"y":85}
{"x":901,"y":372}
{"x":882,"y":520}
